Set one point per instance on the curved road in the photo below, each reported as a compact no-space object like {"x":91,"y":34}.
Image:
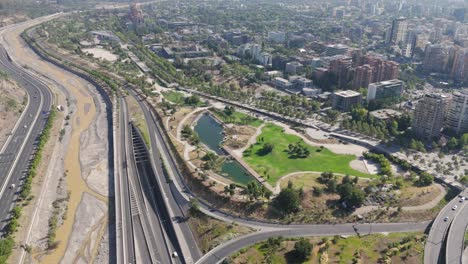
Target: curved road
{"x":434,"y":249}
{"x":178,"y":197}
{"x":181,"y":196}
{"x":21,"y":145}
{"x":456,"y":236}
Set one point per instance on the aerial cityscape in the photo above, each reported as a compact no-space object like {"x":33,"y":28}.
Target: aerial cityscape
{"x":233,"y":131}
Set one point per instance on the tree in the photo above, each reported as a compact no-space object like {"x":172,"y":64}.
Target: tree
{"x":425,"y":179}
{"x":452,"y":143}
{"x":230,"y":189}
{"x":288,"y":200}
{"x":331,"y":186}
{"x":352,"y":195}
{"x":6,"y":246}
{"x":266,"y":149}
{"x":16,"y":212}
{"x":229,"y":110}
{"x":12,"y":226}
{"x":192,"y":100}
{"x":302,"y":250}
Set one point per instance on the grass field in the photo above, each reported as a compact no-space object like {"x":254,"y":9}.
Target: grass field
{"x":237,"y":118}
{"x":377,"y":248}
{"x":277,"y":163}
{"x":174,"y":97}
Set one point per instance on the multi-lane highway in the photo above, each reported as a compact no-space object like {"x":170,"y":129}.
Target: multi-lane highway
{"x":141,"y":235}
{"x":455,"y":244}
{"x":17,"y":152}
{"x":124,"y":229}
{"x":181,"y":196}
{"x":149,"y":226}
{"x":163,"y":163}
{"x":434,"y":251}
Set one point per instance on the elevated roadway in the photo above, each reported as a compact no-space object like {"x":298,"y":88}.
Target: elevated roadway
{"x":434,"y":250}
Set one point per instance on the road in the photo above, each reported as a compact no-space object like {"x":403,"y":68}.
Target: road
{"x":140,"y":233}
{"x":124,"y":229}
{"x":183,"y":195}
{"x":176,"y":198}
{"x":219,"y":253}
{"x":455,"y":244}
{"x":176,"y":204}
{"x":17,"y":152}
{"x":435,"y":244}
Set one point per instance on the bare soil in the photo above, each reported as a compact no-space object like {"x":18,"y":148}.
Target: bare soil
{"x":12,"y":103}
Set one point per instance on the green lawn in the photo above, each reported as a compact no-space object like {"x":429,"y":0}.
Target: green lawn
{"x":174,"y":97}
{"x":278,"y":163}
{"x":237,"y":118}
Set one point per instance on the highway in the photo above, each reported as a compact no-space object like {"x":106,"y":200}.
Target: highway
{"x":455,"y":244}
{"x":19,"y":148}
{"x":124,"y":229}
{"x":140,"y":232}
{"x":176,"y":204}
{"x":182,"y":195}
{"x":434,"y":250}
{"x":175,"y":197}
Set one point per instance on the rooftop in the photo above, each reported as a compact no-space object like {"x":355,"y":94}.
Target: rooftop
{"x":347,"y":93}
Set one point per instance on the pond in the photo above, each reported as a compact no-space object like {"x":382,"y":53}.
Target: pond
{"x":211,"y":134}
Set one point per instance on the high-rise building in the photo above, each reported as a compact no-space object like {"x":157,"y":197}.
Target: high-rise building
{"x":457,"y":117}
{"x":429,"y":116}
{"x":362,"y":76}
{"x":346,"y":100}
{"x":373,"y":69}
{"x":385,"y":90}
{"x":398,"y":31}
{"x":460,"y":66}
{"x":341,"y":68}
{"x":436,"y":58}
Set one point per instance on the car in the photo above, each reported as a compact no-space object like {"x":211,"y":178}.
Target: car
{"x":462,"y":199}
{"x":454,"y":207}
{"x":12,"y":186}
{"x":25,"y":126}
{"x":446,"y":219}
{"x":174,"y":254}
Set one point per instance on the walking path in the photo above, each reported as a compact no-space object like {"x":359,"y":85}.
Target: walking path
{"x":251,"y":141}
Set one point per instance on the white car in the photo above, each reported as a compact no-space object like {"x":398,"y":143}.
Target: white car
{"x":174,"y":254}
{"x":446,"y":219}
{"x":462,"y":199}
{"x":454,"y":207}
{"x":12,"y":186}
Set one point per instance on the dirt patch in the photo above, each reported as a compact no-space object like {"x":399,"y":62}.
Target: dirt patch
{"x":211,"y":232}
{"x":12,"y":102}
{"x":174,"y":120}
{"x":414,"y":196}
{"x":94,"y":151}
{"x":238,"y":136}
{"x":90,"y":218}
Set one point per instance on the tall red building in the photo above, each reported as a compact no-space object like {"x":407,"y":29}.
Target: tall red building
{"x":374,"y":69}
{"x":342,"y":69}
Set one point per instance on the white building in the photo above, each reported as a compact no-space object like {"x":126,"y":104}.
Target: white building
{"x":281,"y":83}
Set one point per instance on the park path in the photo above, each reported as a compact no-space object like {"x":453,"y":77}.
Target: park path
{"x":250,"y":142}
